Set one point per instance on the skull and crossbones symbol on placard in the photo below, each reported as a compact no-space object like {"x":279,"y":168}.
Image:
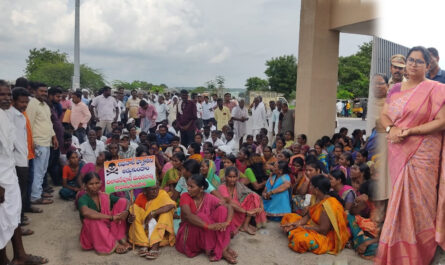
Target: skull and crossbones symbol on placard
{"x":112,"y":169}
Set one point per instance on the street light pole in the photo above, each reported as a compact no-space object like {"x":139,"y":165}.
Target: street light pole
{"x":76,"y":76}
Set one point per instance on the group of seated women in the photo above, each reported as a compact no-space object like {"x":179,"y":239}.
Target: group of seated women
{"x":321,"y":197}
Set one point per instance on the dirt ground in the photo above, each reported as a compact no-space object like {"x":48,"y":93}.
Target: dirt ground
{"x":57,"y":238}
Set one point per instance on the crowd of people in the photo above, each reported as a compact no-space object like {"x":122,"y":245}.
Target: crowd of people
{"x":214,"y":176}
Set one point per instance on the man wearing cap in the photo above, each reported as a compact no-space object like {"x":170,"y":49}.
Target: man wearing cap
{"x":397,"y":69}
{"x":91,"y":148}
{"x":126,"y":150}
{"x":435,"y":73}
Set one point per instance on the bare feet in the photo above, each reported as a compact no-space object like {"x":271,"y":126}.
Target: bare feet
{"x":232,"y":252}
{"x":228,"y":257}
{"x":248,"y":229}
{"x":30,"y":260}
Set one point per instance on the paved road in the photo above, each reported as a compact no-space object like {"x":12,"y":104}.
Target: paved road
{"x":351,"y":124}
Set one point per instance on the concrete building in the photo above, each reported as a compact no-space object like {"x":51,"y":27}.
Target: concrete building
{"x":321,"y":22}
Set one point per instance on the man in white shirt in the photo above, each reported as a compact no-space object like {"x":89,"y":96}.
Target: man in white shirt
{"x":20,"y":100}
{"x":90,"y":149}
{"x":258,"y":116}
{"x":172,"y":110}
{"x":239,"y":117}
{"x":206,"y":137}
{"x":216,"y":142}
{"x":107,"y":109}
{"x":10,"y":201}
{"x":161,"y":109}
{"x":339,"y":105}
{"x":199,"y":110}
{"x":231,"y":145}
{"x":119,"y":96}
{"x":207,"y":111}
{"x":275,"y":120}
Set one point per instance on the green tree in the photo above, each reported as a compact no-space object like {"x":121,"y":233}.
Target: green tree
{"x":220,"y":80}
{"x":37,"y":58}
{"x":136,"y":84}
{"x":159,"y":89}
{"x":54,"y":69}
{"x":200,"y":89}
{"x":256,"y":84}
{"x":353,"y":71}
{"x":344,"y":94}
{"x":211,"y":85}
{"x":60,"y":74}
{"x":282,"y":74}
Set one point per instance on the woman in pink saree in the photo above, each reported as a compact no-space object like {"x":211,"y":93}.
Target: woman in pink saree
{"x":205,"y":223}
{"x":246,"y":203}
{"x":103,"y":219}
{"x":414,"y":117}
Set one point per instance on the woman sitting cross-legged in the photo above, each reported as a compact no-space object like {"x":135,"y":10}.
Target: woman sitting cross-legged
{"x":246,"y":203}
{"x":276,"y":195}
{"x":103,"y":219}
{"x":205,"y":223}
{"x":70,"y":176}
{"x":153,"y":207}
{"x":323,"y":229}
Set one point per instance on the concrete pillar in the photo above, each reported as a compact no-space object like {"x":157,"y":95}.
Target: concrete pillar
{"x":317,"y":71}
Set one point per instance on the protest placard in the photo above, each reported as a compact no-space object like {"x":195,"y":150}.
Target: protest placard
{"x":130,"y":173}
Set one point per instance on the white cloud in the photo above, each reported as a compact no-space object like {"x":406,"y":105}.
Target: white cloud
{"x":221,"y":57}
{"x":415,"y":23}
{"x":177,"y":42}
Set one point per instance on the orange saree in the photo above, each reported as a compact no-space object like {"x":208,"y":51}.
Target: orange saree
{"x":303,"y":240}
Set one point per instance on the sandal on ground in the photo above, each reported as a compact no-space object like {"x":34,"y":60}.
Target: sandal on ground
{"x":143,"y":251}
{"x":32,"y":260}
{"x":153,"y":254}
{"x":33,"y":209}
{"x":47,"y":195}
{"x":120,"y":249}
{"x":42,"y":201}
{"x":24,"y":223}
{"x":48,"y":190}
{"x":27,"y":232}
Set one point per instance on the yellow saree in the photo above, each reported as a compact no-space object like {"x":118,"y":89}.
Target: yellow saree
{"x":163,"y":232}
{"x":303,"y":240}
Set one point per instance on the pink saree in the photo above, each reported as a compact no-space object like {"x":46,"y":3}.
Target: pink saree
{"x":102,"y":235}
{"x":248,"y":200}
{"x":192,"y":240}
{"x":415,"y":218}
